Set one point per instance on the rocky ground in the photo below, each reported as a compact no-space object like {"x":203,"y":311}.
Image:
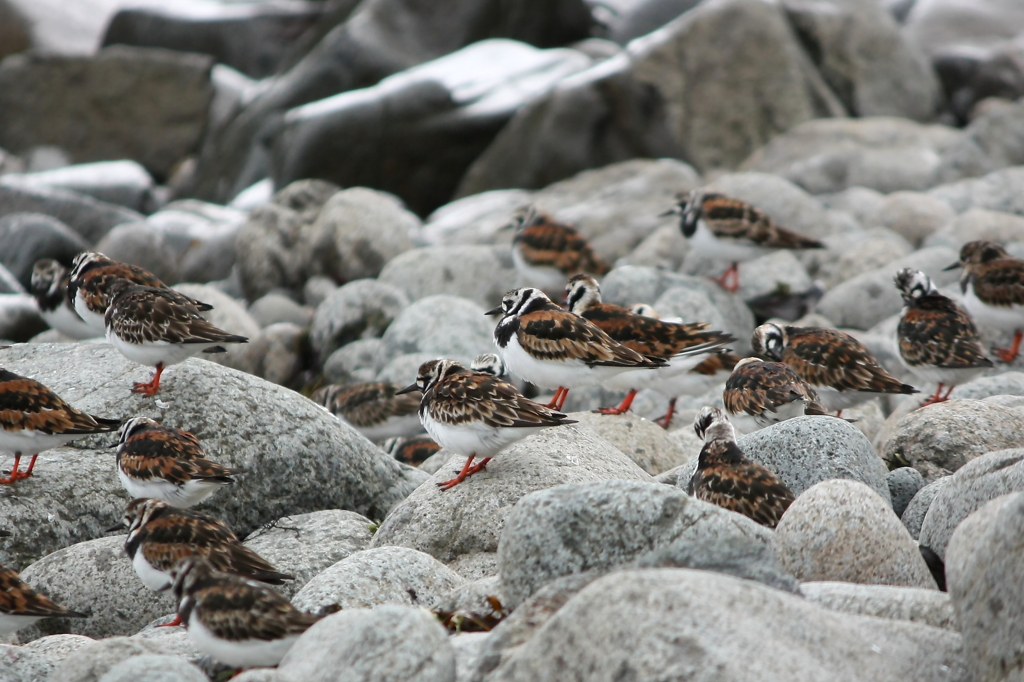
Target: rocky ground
{"x":333,"y":176}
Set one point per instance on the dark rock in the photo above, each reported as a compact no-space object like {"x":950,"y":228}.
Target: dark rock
{"x":915,"y":513}
{"x":253,"y":38}
{"x":19,"y":317}
{"x":28,"y":237}
{"x":124,"y":183}
{"x":88,"y":217}
{"x":646,"y":16}
{"x":139,"y":244}
{"x":144,"y":104}
{"x":14,"y":30}
{"x":904,"y":483}
{"x":361,"y":309}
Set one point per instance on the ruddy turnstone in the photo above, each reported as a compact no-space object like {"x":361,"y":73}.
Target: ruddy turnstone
{"x":993,"y":286}
{"x":730,"y":229}
{"x":50,"y":289}
{"x":546,"y":252}
{"x":373,"y":409}
{"x":725,"y":477}
{"x":938,"y":341}
{"x":489,"y":363}
{"x":838,"y":366}
{"x":413,"y":451}
{"x":770,"y":392}
{"x":554,"y":348}
{"x":476,"y":414}
{"x":159,"y":328}
{"x":711,"y":372}
{"x":160,"y":535}
{"x":238,"y":622}
{"x":681,"y":346}
{"x":33,"y":419}
{"x":21,"y":606}
{"x":92,"y":275}
{"x":167,"y":464}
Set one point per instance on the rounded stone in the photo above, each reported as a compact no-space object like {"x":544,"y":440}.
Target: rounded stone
{"x":142,"y":245}
{"x":470,"y":271}
{"x":903,"y":486}
{"x":443,"y":326}
{"x":647,"y":444}
{"x":28,"y":237}
{"x":154,"y":668}
{"x":841,"y":530}
{"x":274,"y":307}
{"x":358,"y":310}
{"x":913,"y":516}
{"x":928,"y":607}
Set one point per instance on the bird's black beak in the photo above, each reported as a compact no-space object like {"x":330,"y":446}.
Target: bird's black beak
{"x":111,"y":447}
{"x":495,"y":311}
{"x":408,"y":389}
{"x":954,"y":266}
{"x":118,"y":526}
{"x":675,"y":210}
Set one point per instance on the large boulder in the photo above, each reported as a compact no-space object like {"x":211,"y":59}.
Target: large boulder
{"x":928,"y":607}
{"x":600,"y":526}
{"x":983,"y":562}
{"x":643,"y":441}
{"x":88,"y":217}
{"x":361,"y":309}
{"x":144,"y":104}
{"x":1001,"y":190}
{"x":302,"y":457}
{"x":462,"y":526}
{"x":710,"y":88}
{"x":939,"y":439}
{"x":842,"y":530}
{"x":444,"y":326}
{"x":631,"y":625}
{"x":440,"y":116}
{"x":124,"y":182}
{"x":474,"y":272}
{"x":913,"y":516}
{"x":28,"y":237}
{"x":971,"y":487}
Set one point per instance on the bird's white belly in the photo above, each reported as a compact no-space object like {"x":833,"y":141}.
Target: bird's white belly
{"x":64,"y":320}
{"x":94,"y":320}
{"x":249,"y":653}
{"x":689,"y":383}
{"x":183,"y":496}
{"x":404,"y":426}
{"x":705,"y":243}
{"x":475,"y":438}
{"x":782,"y":413}
{"x":553,"y":374}
{"x":33,"y":442}
{"x":11,"y":623}
{"x":946,"y":375}
{"x":152,"y":578}
{"x":544,"y":277}
{"x":834,"y":400}
{"x":1009,"y":318}
{"x":153,"y":354}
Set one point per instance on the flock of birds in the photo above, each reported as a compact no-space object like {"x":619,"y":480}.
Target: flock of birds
{"x":221,"y":586}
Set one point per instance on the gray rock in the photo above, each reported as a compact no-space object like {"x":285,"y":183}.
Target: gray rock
{"x":881,"y":153}
{"x":259,"y":675}
{"x":695,"y":302}
{"x":870,"y":297}
{"x":654,"y":100}
{"x":402,"y":369}
{"x":862,"y":203}
{"x":56,"y":648}
{"x":23,"y":665}
{"x":997,"y":191}
{"x":125,"y":183}
{"x":437,"y":129}
{"x":931,"y":26}
{"x":91,"y":662}
{"x":270,"y":244}
{"x":361,"y":309}
{"x":644,"y":442}
{"x":357,"y":231}
{"x":443,"y":326}
{"x":808,"y":450}
{"x":175,"y":641}
{"x":999,"y":129}
{"x":630,"y":625}
{"x":75,"y":575}
{"x":16,"y":35}
{"x":316,"y":290}
{"x":376,"y":576}
{"x":979,"y":223}
{"x":468,"y":647}
{"x":276,"y":354}
{"x":982,"y":564}
{"x":386,"y":643}
{"x":664,"y":248}
{"x":927,"y":607}
{"x":471,"y":597}
{"x":154,"y":109}
{"x":9,"y":284}
{"x":915,"y":216}
{"x":274,"y":307}
{"x":904,"y":484}
{"x":469,"y":271}
{"x":361,"y":355}
{"x":27,"y":237}
{"x":939,"y":439}
{"x":913,"y":516}
{"x":88,"y":217}
{"x":475,"y":219}
{"x":154,"y":668}
{"x":305,"y":544}
{"x":586,"y":526}
{"x":140,"y":244}
{"x":970,"y":488}
{"x":305,"y":457}
{"x":870,"y":250}
{"x":469,"y":518}
{"x":842,"y":530}
{"x":19,"y":317}
{"x":230,"y":315}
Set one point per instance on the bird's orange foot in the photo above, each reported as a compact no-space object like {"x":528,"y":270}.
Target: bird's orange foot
{"x":177,"y":621}
{"x":623,"y":407}
{"x":1010,"y":354}
{"x":730,"y":279}
{"x":146,"y":389}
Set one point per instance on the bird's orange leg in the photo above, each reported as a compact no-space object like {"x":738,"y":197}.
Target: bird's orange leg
{"x":467,"y":471}
{"x":1008,"y":355}
{"x":665,"y":420}
{"x":623,"y":406}
{"x":553,"y":405}
{"x":733,"y":274}
{"x":14,"y":471}
{"x":177,"y":621}
{"x":31,"y":466}
{"x":561,"y":401}
{"x":150,"y":388}
{"x":938,"y":397}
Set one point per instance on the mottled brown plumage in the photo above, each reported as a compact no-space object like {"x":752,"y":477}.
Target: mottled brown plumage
{"x":723,"y":361}
{"x":734,"y":219}
{"x":413,"y":451}
{"x":726,"y":478}
{"x":769,"y":391}
{"x":367,"y":403}
{"x":997,"y":277}
{"x":542,"y":241}
{"x":147,"y":315}
{"x":165,"y":535}
{"x":17,"y":599}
